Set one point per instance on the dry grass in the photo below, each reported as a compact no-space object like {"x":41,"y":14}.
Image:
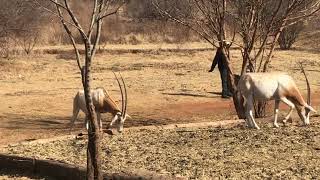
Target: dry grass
{"x":164,"y":88}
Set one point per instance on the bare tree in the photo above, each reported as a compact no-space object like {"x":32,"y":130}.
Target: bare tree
{"x":208,"y":19}
{"x":90,"y":37}
{"x":29,"y":41}
{"x":143,"y":9}
{"x":260,"y":24}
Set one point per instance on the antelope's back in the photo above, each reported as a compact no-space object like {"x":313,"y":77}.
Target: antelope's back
{"x":265,"y":85}
{"x":103,"y":101}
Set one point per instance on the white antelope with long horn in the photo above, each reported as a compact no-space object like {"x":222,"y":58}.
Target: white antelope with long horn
{"x":277,"y":86}
{"x":103,"y":103}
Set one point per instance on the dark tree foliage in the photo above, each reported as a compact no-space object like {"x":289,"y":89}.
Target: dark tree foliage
{"x":20,"y":23}
{"x":144,"y":8}
{"x":289,"y":35}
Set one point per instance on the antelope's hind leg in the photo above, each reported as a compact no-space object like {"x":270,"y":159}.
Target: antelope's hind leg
{"x":99,"y":120}
{"x":276,"y":111}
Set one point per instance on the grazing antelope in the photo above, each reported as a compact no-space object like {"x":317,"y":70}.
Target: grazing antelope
{"x":103,"y":103}
{"x":277,"y":86}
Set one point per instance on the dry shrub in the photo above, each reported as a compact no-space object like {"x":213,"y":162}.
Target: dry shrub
{"x":137,"y":23}
{"x":133,"y":40}
{"x":124,"y":31}
{"x":5,"y":47}
{"x":289,"y":35}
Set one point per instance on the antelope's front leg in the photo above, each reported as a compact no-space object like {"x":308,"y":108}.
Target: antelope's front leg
{"x":291,"y":105}
{"x":249,"y":112}
{"x":276,"y":110}
{"x":86,"y":122}
{"x":255,"y":125}
{"x":99,"y":120}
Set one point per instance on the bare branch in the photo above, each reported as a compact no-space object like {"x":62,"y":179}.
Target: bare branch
{"x":101,"y":16}
{"x":76,"y":50}
{"x":202,"y":32}
{"x":57,"y":4}
{"x":75,"y":20}
{"x":300,"y":18}
{"x":93,"y":18}
{"x":98,"y":30}
{"x":55,"y":14}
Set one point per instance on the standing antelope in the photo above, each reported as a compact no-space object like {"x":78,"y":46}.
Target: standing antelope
{"x":103,"y":103}
{"x":277,"y":86}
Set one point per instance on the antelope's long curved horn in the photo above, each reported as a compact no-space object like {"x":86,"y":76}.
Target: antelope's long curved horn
{"x":122,"y":101}
{"x":308,"y":84}
{"x":126,"y":96}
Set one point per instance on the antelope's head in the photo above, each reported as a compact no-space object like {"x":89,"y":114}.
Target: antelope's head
{"x":121,"y":116}
{"x":304,"y":111}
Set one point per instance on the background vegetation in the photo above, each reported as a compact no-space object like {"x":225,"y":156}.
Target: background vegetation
{"x":22,"y":24}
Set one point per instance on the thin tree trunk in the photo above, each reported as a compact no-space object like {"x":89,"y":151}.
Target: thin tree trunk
{"x":238,"y":100}
{"x":265,"y":66}
{"x":245,"y":57}
{"x":94,"y":137}
{"x":260,"y":108}
{"x":261,"y":105}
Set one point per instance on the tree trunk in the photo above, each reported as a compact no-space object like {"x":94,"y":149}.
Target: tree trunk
{"x":260,"y":107}
{"x":93,"y":152}
{"x":245,"y":57}
{"x":265,"y":66}
{"x":238,"y":100}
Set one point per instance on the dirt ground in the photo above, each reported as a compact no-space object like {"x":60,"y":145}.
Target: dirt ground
{"x":163,"y":87}
{"x":290,"y":152}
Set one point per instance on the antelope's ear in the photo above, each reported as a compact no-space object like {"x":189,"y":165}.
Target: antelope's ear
{"x":310,"y":108}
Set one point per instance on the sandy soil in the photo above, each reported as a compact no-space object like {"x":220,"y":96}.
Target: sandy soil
{"x":164,"y":87}
{"x":290,"y":152}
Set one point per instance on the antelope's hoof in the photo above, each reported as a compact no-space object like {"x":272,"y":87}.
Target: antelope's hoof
{"x":285,"y":124}
{"x":289,"y":120}
{"x":275,"y":125}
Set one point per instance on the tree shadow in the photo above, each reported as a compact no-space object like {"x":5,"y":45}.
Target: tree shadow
{"x":146,"y":121}
{"x":216,"y":93}
{"x":314,"y":51}
{"x":186,"y":94}
{"x":18,"y":121}
{"x":22,"y":174}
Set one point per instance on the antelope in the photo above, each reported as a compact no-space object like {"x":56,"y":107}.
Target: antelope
{"x":103,"y":103}
{"x":277,"y":86}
